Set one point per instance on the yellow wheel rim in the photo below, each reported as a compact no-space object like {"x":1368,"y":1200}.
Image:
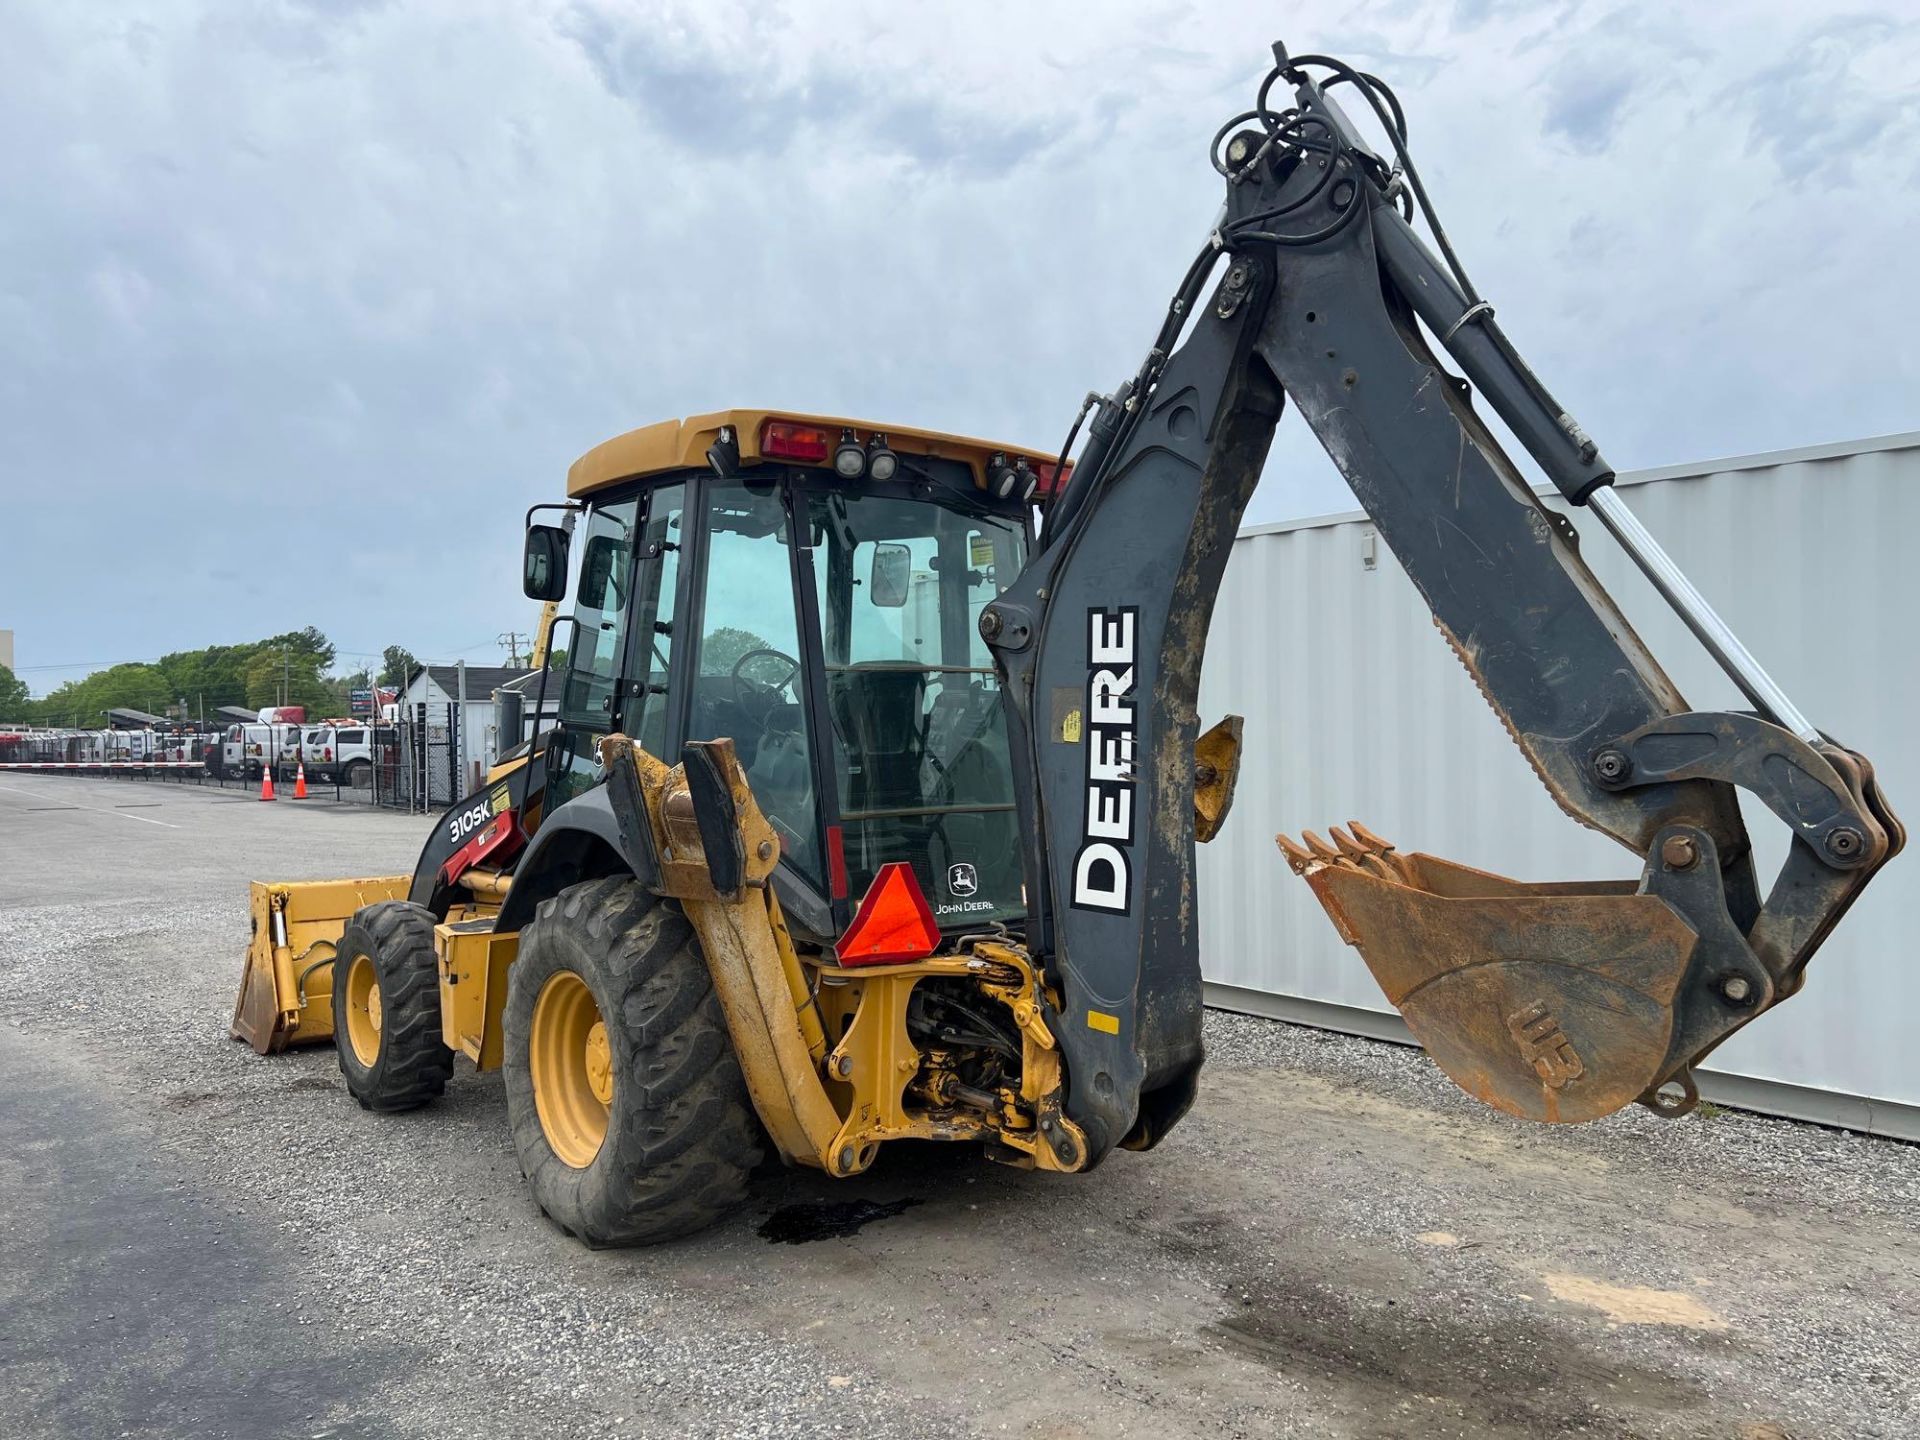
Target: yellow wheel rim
{"x":363,"y":1010}
{"x":572,"y":1067}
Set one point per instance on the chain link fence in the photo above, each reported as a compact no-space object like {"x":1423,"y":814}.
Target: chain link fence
{"x":413,"y":764}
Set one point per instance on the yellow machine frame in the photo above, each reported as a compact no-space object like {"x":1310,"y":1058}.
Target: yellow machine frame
{"x":824,"y":1047}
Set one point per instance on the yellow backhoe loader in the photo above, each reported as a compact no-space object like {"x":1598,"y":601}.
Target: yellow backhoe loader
{"x":871,"y":807}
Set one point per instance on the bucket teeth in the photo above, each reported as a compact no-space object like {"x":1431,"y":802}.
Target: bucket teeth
{"x":1367,"y":838}
{"x":1298,"y":859}
{"x":1322,"y":851}
{"x":1354,"y":847}
{"x":1349,"y":846}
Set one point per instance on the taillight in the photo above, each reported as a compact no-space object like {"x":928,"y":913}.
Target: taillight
{"x":837,"y":862}
{"x":1051,"y":476}
{"x":894,"y":923}
{"x":790,"y":440}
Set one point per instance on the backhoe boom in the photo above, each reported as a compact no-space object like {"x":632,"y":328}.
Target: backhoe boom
{"x":1558,"y":1002}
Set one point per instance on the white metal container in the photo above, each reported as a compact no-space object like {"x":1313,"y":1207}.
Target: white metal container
{"x":1357,"y":709}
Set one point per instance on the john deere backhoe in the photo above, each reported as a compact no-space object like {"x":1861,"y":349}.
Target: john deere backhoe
{"x":871,"y":809}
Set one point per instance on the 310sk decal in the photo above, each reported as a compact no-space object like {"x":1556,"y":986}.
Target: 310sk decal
{"x":477,"y":814}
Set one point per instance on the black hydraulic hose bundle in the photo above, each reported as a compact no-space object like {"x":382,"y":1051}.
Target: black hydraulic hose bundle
{"x":1305,"y":134}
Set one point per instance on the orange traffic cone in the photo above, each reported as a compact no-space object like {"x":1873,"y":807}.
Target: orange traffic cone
{"x":266,"y":782}
{"x":300,"y":780}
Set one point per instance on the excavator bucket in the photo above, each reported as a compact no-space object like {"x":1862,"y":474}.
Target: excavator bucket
{"x":286,"y":990}
{"x":1552,"y":1002}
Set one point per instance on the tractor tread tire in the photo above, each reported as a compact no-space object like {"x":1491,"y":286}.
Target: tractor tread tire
{"x":682,"y":1136}
{"x":414,"y":1063}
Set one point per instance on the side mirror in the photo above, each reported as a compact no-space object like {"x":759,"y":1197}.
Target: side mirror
{"x":543,"y":573}
{"x":892,"y":572}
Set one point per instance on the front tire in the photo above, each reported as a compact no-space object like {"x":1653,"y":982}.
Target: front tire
{"x":627,"y":1106}
{"x":386,"y":1008}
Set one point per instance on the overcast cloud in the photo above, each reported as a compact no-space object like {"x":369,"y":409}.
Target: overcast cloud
{"x":302,"y":304}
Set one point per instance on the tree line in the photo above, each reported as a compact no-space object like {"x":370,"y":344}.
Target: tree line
{"x":296,"y":668}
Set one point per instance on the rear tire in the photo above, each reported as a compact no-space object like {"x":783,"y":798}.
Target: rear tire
{"x":359,"y":774}
{"x":627,"y":1106}
{"x":386,"y":1008}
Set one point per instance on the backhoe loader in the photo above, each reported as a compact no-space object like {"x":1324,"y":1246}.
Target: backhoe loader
{"x":871,"y":807}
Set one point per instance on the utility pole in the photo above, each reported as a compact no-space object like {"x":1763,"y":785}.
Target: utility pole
{"x":460,"y":731}
{"x":512,"y":641}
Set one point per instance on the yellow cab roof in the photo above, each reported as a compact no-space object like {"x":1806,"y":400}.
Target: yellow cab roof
{"x":681,"y":444}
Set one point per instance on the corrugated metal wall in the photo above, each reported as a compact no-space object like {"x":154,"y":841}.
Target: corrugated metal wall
{"x":1356,"y":708}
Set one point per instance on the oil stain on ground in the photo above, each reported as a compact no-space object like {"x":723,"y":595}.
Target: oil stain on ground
{"x":1459,"y":1370}
{"x":826,"y":1219}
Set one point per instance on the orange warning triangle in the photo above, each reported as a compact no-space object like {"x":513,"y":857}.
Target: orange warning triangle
{"x":894,"y":923}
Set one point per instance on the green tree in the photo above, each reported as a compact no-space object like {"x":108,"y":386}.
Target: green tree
{"x":396,"y":665}
{"x":251,"y":674}
{"x":304,"y":642}
{"x":80,"y":702}
{"x":287,"y":677}
{"x":15,"y":698}
{"x":209,"y":678}
{"x":723,"y":647}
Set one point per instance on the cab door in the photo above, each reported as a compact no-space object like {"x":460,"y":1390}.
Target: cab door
{"x":745,"y":669}
{"x":620,"y":645}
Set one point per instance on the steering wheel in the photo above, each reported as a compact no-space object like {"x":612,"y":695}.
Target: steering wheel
{"x":765,"y":695}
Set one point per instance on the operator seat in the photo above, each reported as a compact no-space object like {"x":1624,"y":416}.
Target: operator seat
{"x":877,"y":710}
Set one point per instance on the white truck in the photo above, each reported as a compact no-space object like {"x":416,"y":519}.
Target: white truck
{"x":341,"y":751}
{"x":246,"y":749}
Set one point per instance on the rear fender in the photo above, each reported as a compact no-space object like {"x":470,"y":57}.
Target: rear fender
{"x":579,"y":841}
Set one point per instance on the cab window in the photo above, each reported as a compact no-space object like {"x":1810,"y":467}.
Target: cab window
{"x":748,"y":684}
{"x":593,"y":659}
{"x":657,"y":578}
{"x":590,"y":696}
{"x":920,"y":744}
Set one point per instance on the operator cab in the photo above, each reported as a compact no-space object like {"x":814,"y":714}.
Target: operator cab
{"x":811,"y":589}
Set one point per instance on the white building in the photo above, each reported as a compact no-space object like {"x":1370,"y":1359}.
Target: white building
{"x":467,"y":689}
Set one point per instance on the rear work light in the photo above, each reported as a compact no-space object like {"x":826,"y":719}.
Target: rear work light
{"x":849,"y":460}
{"x":882,"y":463}
{"x":790,"y":440}
{"x":894,"y":923}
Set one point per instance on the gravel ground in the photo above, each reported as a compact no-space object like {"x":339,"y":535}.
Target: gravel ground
{"x":197,"y":1241}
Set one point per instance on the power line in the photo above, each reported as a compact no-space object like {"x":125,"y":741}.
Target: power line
{"x":81,"y":665}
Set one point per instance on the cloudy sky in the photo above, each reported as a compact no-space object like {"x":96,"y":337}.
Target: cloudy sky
{"x":301,"y":304}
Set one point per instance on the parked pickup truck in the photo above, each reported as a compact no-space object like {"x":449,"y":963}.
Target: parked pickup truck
{"x":339,"y":753}
{"x":244,"y":750}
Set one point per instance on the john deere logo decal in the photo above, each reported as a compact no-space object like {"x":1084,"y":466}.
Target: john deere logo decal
{"x":962,"y":879}
{"x":1103,"y":867}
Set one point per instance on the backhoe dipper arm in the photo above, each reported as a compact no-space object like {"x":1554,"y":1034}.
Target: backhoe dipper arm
{"x":1560,"y":1002}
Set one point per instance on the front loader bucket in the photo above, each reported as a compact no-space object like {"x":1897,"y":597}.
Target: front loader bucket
{"x":1552,"y":1002}
{"x":286,"y":991}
